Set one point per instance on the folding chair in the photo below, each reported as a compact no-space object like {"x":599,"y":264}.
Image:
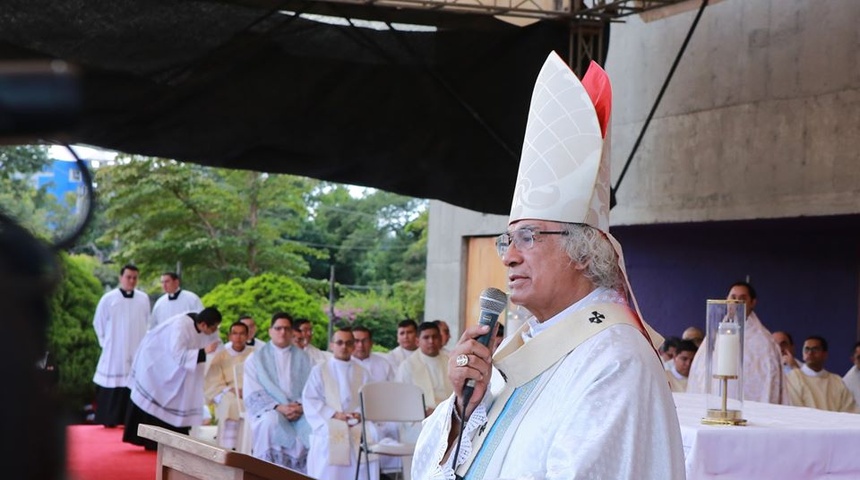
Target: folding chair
{"x":243,"y":434}
{"x":243,"y":442}
{"x":388,"y":402}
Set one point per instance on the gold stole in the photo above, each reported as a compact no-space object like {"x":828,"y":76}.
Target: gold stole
{"x":341,"y":437}
{"x":520,"y":362}
{"x":421,"y":377}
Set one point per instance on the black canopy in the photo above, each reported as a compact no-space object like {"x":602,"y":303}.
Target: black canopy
{"x":251,"y":85}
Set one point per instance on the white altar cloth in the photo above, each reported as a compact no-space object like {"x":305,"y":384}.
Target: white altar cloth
{"x":779,"y":442}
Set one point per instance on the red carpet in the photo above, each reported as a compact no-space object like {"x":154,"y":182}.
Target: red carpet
{"x":97,"y":453}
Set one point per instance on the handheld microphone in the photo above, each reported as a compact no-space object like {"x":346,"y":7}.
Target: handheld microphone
{"x":493,"y":302}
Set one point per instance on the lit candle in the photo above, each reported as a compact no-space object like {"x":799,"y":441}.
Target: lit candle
{"x":727,"y":351}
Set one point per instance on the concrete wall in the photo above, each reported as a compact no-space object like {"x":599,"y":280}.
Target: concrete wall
{"x":761,"y":120}
{"x":444,"y":296}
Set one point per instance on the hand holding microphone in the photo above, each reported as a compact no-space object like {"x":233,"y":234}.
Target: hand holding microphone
{"x":471,"y":362}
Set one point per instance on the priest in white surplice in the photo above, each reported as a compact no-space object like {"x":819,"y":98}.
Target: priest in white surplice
{"x":585,"y":393}
{"x":375,"y":364}
{"x":852,"y":377}
{"x":445,"y":331}
{"x":303,"y":334}
{"x":275,"y":375}
{"x":174,"y":301}
{"x":786,"y":349}
{"x":679,"y":369}
{"x":380,"y":371}
{"x":167,"y":375}
{"x":253,"y":341}
{"x":407,"y":343}
{"x":428,"y":367}
{"x":221,"y":386}
{"x":764,"y":380}
{"x":813,"y":386}
{"x":333,"y":409}
{"x":120,"y":324}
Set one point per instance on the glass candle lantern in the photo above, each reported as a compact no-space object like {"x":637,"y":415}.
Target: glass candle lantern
{"x":725,"y":359}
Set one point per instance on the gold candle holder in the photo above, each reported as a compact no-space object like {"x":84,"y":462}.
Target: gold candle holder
{"x":724,"y":350}
{"x":724,"y":415}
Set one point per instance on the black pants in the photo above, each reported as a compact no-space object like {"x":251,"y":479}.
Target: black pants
{"x":111,"y":404}
{"x":136,"y":417}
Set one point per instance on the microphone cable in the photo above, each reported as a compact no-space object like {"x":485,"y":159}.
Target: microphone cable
{"x":461,"y":417}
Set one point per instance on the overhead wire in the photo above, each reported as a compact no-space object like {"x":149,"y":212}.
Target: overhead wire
{"x":613,"y":191}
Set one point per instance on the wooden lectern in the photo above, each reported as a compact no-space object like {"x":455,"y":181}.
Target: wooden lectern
{"x":181,"y":457}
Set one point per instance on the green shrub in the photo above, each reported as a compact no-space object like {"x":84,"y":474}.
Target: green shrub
{"x":262,"y":296}
{"x":381,"y":311}
{"x":71,"y":337}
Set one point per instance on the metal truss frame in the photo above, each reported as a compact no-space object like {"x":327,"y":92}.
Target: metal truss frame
{"x":572,"y":10}
{"x":586,"y":19}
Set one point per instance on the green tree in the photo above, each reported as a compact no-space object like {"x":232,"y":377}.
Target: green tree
{"x":19,"y":199}
{"x":401,"y":254}
{"x":71,"y":337}
{"x":262,"y":296}
{"x":369,"y":239}
{"x":106,"y":274}
{"x":381,"y":311}
{"x":95,"y":243}
{"x":219,"y":224}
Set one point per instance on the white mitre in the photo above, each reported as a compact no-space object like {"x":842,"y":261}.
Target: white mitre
{"x":561,"y":176}
{"x":564,"y":167}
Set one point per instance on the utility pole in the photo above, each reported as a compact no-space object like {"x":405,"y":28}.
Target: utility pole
{"x":330,"y":305}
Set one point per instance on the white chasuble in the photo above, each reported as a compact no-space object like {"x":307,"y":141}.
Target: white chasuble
{"x":578,"y":414}
{"x":428,"y":373}
{"x":763,"y":374}
{"x":852,"y":381}
{"x":822,"y":390}
{"x":333,"y":387}
{"x":220,"y":381}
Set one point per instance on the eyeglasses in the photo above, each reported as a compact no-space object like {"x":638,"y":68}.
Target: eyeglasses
{"x":340,"y":343}
{"x":281,"y":328}
{"x":523,"y":239}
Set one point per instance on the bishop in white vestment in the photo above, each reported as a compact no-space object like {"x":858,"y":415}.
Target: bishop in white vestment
{"x":582,"y":417}
{"x":585,"y":392}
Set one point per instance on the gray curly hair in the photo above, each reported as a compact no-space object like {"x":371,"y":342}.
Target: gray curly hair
{"x":589,"y":247}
